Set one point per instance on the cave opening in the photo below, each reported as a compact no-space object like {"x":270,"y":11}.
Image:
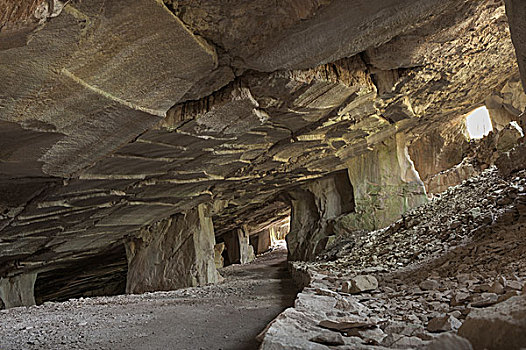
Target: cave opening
{"x":101,"y":275}
{"x":245,"y":244}
{"x":478,"y":123}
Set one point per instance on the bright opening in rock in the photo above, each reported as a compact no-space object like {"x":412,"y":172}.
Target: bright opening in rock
{"x":478,"y":123}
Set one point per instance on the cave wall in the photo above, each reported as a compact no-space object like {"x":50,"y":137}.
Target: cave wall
{"x":18,"y":290}
{"x":516,"y":11}
{"x":238,"y":248}
{"x":314,"y":208}
{"x":385,"y":185}
{"x":174,"y":253}
{"x":506,"y":105}
{"x":120,"y":118}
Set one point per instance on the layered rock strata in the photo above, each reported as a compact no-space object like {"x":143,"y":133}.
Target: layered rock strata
{"x":118,"y":116}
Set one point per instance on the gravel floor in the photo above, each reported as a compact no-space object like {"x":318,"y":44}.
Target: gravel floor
{"x":224,"y":316}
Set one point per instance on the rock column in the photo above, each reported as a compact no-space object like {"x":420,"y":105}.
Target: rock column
{"x":264,"y":241}
{"x":18,"y":290}
{"x":314,"y":207}
{"x":174,"y":253}
{"x":385,"y":185}
{"x":238,"y":247}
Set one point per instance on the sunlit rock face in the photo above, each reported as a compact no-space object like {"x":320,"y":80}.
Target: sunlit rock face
{"x":117,"y":116}
{"x":386,"y":185}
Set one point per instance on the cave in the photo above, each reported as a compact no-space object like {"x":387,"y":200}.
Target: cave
{"x":236,"y":174}
{"x":478,"y":123}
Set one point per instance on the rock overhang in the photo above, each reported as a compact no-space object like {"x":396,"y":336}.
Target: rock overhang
{"x":120,"y":115}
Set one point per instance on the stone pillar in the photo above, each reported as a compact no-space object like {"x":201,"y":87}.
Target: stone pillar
{"x":314,"y":207}
{"x":218,"y":255}
{"x":264,"y":241}
{"x":385,"y":185}
{"x":174,"y":253}
{"x":18,"y":290}
{"x":238,"y":247}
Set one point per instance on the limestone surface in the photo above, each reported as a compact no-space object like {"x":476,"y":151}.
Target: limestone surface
{"x":118,"y":116}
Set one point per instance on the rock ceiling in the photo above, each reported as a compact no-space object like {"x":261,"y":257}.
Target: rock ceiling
{"x":117,"y":114}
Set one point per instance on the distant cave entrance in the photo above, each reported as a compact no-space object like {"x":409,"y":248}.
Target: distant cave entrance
{"x":271,"y":236}
{"x":478,"y":123}
{"x":257,"y":231}
{"x":100,"y":275}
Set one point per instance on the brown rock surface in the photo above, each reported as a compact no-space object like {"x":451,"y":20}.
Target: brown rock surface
{"x":118,"y":116}
{"x":407,"y":309}
{"x":502,"y":326}
{"x":173,"y":253}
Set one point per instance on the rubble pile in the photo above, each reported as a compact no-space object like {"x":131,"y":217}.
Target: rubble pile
{"x":450,"y":219}
{"x":442,"y":277}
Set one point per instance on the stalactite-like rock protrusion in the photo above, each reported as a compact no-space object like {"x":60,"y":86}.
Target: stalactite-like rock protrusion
{"x":314,"y":207}
{"x":506,"y":105}
{"x":18,"y":290}
{"x":174,"y":253}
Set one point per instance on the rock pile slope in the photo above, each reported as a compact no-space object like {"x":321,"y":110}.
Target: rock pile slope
{"x":445,"y":272}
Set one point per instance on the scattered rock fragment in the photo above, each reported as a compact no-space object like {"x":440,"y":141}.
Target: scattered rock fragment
{"x":344,"y":326}
{"x":516,"y":285}
{"x":485,"y":299}
{"x":443,"y":324}
{"x":328,"y":338}
{"x":459,"y":298}
{"x":449,"y":341}
{"x":502,"y":326}
{"x":359,"y":284}
{"x":496,"y":288}
{"x":429,"y":285}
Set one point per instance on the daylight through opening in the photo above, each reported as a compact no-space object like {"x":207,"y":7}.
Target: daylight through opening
{"x":478,"y":123}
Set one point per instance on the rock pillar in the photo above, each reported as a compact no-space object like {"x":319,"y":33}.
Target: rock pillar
{"x":264,"y":241}
{"x":174,"y":253}
{"x":314,"y":207}
{"x":238,"y":247}
{"x":385,"y":185}
{"x":218,"y":255}
{"x":18,"y":290}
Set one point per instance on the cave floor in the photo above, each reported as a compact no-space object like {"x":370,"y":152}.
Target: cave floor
{"x":225,"y":316}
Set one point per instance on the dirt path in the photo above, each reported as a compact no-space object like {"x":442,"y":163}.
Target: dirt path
{"x":225,"y":316}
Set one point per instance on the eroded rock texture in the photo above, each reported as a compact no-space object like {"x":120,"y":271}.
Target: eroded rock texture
{"x":174,"y":253}
{"x":120,"y":119}
{"x":314,"y":209}
{"x":448,"y":275}
{"x":18,"y":290}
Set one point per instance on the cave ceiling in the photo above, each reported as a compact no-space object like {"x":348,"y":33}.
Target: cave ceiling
{"x":116,"y":114}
